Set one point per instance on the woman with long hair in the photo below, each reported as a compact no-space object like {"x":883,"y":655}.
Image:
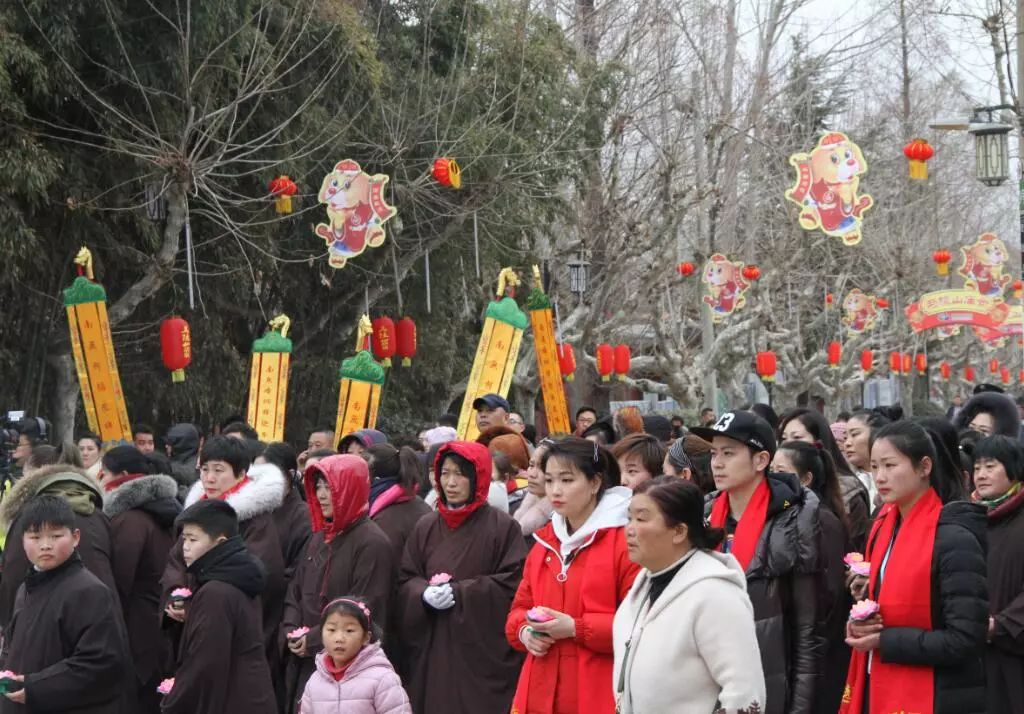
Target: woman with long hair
{"x":923,"y":650}
{"x":860,"y":429}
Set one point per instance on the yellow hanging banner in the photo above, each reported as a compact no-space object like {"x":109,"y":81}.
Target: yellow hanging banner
{"x":361,"y":383}
{"x":496,"y":353}
{"x":85,"y":302}
{"x":268,"y":380}
{"x":551,"y":386}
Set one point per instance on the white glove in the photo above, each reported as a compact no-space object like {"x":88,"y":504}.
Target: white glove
{"x":439,"y":597}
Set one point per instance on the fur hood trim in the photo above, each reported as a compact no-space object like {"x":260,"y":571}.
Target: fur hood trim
{"x":139,"y":492}
{"x":1002,"y":408}
{"x":263,"y":494}
{"x":28,"y":486}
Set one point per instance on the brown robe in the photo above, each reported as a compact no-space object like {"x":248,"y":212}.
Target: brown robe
{"x":85,"y":496}
{"x":356,"y":562}
{"x":398,"y":520}
{"x":142,"y":513}
{"x":67,"y":638}
{"x":293,"y":529}
{"x":457,"y":660}
{"x":1004,"y":664}
{"x":221,"y":665}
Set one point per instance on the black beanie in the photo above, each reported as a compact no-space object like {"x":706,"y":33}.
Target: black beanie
{"x":126,"y":459}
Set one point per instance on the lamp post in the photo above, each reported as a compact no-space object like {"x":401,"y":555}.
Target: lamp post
{"x":579,"y":269}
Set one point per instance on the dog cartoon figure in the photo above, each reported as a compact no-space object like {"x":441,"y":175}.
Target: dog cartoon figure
{"x":725,"y":286}
{"x":827,"y":188}
{"x":356,"y":210}
{"x":859,"y":311}
{"x":982,"y":268}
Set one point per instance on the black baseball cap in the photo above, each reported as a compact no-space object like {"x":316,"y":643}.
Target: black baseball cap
{"x":492,"y":401}
{"x":746,"y":427}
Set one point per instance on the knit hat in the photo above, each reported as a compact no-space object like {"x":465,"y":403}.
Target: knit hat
{"x":440,"y":435}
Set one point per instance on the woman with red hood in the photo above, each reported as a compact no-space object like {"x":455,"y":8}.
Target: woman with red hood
{"x":460,"y":570}
{"x":348,"y":553}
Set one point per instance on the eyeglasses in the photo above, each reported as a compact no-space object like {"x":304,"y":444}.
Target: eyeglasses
{"x":518,"y":422}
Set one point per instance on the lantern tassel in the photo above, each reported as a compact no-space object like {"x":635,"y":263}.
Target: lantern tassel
{"x":178,"y":376}
{"x":943,"y":269}
{"x":406,"y":362}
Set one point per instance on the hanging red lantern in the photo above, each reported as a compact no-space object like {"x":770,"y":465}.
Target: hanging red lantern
{"x":993,"y":366}
{"x":829,"y":299}
{"x":918,"y":151}
{"x":447,"y":172}
{"x":945,"y":370}
{"x":383,"y":340}
{"x":567,"y":361}
{"x":969,"y":374}
{"x":623,"y":357}
{"x":908,"y":362}
{"x":1020,"y":376}
{"x":835,"y":354}
{"x":895,"y":362}
{"x":766,"y":365}
{"x":1018,"y":288}
{"x":921,"y":362}
{"x":867,"y":361}
{"x":751,"y":272}
{"x":881,"y":303}
{"x":942,"y":258}
{"x":405,"y":338}
{"x":282,"y":189}
{"x":686,"y":269}
{"x":605,"y":361}
{"x":1004,"y":375}
{"x":176,"y":346}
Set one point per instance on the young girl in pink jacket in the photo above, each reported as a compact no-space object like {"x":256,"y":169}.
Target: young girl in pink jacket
{"x":352,"y":674}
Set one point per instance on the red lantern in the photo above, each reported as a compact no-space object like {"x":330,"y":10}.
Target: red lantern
{"x":881,"y":303}
{"x":908,"y":362}
{"x":751,"y":272}
{"x":1018,"y":288}
{"x":447,"y":172}
{"x":623,"y":357}
{"x":605,"y":361}
{"x":993,"y":366}
{"x":686,"y":269}
{"x":895,"y":362}
{"x":1020,"y":376}
{"x":945,"y":370}
{"x":969,"y":374}
{"x":282,"y":189}
{"x":921,"y":363}
{"x":828,"y":299}
{"x":835,"y":354}
{"x":1004,"y":375}
{"x":766,"y":366}
{"x":918,"y":151}
{"x":176,"y":346}
{"x":942,"y":258}
{"x":405,"y":336}
{"x":567,"y":361}
{"x":383,"y":340}
{"x":867,"y":361}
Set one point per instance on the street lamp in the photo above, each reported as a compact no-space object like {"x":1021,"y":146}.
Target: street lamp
{"x":579,"y":267}
{"x":991,"y":152}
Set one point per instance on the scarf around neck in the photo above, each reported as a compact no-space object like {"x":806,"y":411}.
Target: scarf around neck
{"x":750,"y":525}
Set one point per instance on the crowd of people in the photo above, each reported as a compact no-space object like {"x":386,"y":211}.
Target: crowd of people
{"x":753,"y":562}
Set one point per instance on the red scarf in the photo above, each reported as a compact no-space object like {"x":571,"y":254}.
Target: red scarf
{"x":113,"y":483}
{"x":234,"y":489}
{"x":751,"y":523}
{"x":905,"y":600}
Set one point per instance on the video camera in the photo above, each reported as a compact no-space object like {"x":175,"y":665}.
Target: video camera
{"x":8,"y":441}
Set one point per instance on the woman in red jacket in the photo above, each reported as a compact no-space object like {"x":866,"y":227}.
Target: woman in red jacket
{"x":573,"y":581}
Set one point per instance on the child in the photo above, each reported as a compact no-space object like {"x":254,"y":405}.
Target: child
{"x":66,"y":641}
{"x":352,"y":674}
{"x":221,"y":665}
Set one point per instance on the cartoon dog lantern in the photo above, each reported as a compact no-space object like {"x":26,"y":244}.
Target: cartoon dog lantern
{"x":356,"y":210}
{"x":725,"y":286}
{"x":983,"y":265}
{"x":859,"y":311}
{"x":827,"y":185}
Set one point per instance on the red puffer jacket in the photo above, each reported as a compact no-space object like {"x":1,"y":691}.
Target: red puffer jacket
{"x":576,"y":674}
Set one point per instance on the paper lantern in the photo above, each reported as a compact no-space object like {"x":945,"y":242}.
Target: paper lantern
{"x":895,"y":362}
{"x":1020,"y":376}
{"x":945,"y":370}
{"x":907,"y":362}
{"x":921,"y":362}
{"x":282,"y":189}
{"x":766,"y":365}
{"x":835,"y":354}
{"x":829,"y":299}
{"x":605,"y":361}
{"x":867,"y":361}
{"x":918,"y":151}
{"x":447,"y":172}
{"x":993,"y":366}
{"x":405,"y":338}
{"x":751,"y":272}
{"x":1018,"y":288}
{"x":383,"y":340}
{"x":1004,"y":375}
{"x":881,"y":303}
{"x":942,"y":258}
{"x":623,"y":357}
{"x":567,"y":361}
{"x":969,"y":374}
{"x":686,"y":269}
{"x":176,"y":347}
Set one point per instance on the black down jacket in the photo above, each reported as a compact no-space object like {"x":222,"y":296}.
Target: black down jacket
{"x":955,"y":646}
{"x":786,"y":585}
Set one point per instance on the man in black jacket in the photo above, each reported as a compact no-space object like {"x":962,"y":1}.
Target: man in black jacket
{"x":772,"y":528}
